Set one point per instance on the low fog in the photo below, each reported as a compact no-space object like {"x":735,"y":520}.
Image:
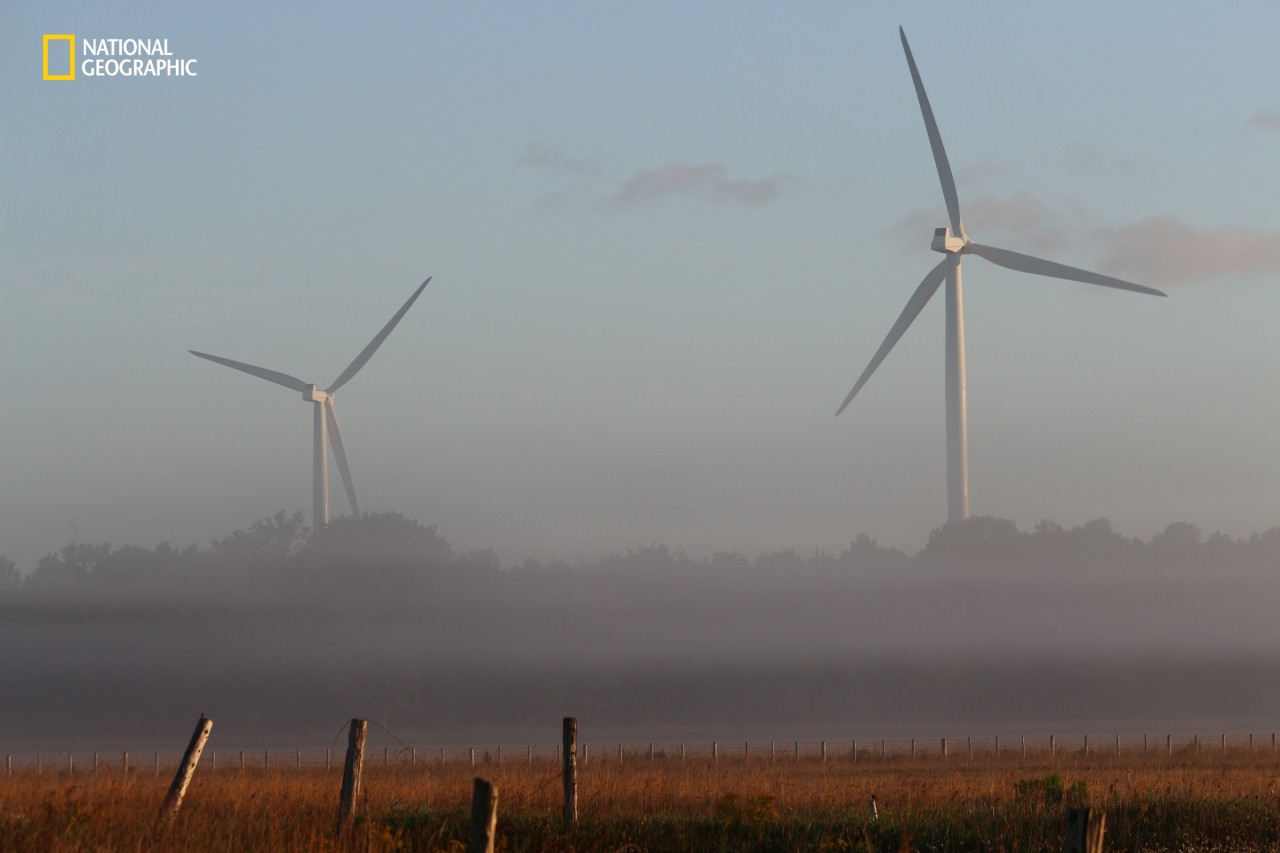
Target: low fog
{"x":280,"y":636}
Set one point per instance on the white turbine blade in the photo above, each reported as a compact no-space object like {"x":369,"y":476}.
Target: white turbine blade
{"x":354,"y":367}
{"x":1038,"y":266}
{"x":935,"y":142}
{"x":261,"y":372}
{"x":340,"y":454}
{"x":915,"y":304}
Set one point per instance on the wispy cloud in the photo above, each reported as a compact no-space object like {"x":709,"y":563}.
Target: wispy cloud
{"x":1021,"y":216}
{"x":705,"y":179}
{"x":1267,"y":120}
{"x":1089,"y":158}
{"x":1155,"y":250}
{"x":1165,"y":249}
{"x":553,"y":158}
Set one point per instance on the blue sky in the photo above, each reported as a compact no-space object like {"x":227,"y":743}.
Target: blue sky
{"x":665,"y":239}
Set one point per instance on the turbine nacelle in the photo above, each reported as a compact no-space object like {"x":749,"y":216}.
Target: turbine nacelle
{"x":945,"y":242}
{"x":315,"y":395}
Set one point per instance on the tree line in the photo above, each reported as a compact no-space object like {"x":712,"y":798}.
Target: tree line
{"x":383,"y":556}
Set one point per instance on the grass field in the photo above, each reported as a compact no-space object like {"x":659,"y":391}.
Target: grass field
{"x":1192,"y":800}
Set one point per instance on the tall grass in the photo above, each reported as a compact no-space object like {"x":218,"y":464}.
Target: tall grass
{"x":1189,"y":801}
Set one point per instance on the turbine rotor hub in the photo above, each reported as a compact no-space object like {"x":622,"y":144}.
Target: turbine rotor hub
{"x":315,"y":395}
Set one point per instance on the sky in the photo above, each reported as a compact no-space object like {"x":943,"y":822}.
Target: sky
{"x":665,"y":239}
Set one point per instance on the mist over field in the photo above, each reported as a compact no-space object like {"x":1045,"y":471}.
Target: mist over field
{"x":281,"y":637}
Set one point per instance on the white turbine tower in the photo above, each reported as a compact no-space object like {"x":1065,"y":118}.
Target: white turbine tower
{"x":954,"y":243}
{"x":324,"y":418}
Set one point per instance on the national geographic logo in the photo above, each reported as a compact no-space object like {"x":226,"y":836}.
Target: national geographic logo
{"x":112,"y":57}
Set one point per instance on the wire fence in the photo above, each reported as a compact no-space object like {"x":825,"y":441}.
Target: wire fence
{"x":853,"y":751}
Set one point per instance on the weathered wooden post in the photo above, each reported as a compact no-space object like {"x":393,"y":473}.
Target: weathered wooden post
{"x":570,"y":773}
{"x":484,"y":816}
{"x":824,"y":752}
{"x":124,"y":762}
{"x":351,"y":773}
{"x":71,"y":761}
{"x":186,"y":770}
{"x":1084,"y":831}
{"x":1053,"y":745}
{"x":1168,"y":744}
{"x":943,"y":747}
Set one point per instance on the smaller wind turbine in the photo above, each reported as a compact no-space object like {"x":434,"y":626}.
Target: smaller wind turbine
{"x":952,"y":241}
{"x":324,"y":418}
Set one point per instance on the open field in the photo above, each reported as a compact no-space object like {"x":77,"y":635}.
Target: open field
{"x":1192,"y":800}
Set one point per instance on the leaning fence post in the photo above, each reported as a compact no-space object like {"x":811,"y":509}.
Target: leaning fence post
{"x":1084,"y":831}
{"x":351,"y":773}
{"x":484,"y":816}
{"x":186,"y":769}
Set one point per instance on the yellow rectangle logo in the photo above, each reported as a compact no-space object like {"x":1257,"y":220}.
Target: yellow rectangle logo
{"x":70,"y":39}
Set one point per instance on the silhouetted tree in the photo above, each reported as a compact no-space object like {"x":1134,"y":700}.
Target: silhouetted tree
{"x":10,"y":578}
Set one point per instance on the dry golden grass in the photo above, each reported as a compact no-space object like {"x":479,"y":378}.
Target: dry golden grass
{"x":1214,"y":798}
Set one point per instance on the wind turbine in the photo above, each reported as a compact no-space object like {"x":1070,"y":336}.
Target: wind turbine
{"x":324,"y":418}
{"x":952,"y":241}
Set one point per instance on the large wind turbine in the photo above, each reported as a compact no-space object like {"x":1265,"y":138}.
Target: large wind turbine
{"x":954,"y":243}
{"x":324,"y":419}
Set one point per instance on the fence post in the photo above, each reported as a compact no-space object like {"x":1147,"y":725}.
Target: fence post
{"x":1168,"y":744}
{"x":351,"y":771}
{"x":1117,"y":744}
{"x":8,"y":767}
{"x":1053,"y":745}
{"x":124,"y":762}
{"x":186,"y":770}
{"x":71,"y":762}
{"x":242,"y":761}
{"x":570,"y":773}
{"x":157,"y":763}
{"x":471,"y":751}
{"x":328,"y":759}
{"x":824,"y":752}
{"x":797,"y":750}
{"x":484,"y":816}
{"x":1084,"y":831}
{"x":1023,"y":739}
{"x":715,"y":751}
